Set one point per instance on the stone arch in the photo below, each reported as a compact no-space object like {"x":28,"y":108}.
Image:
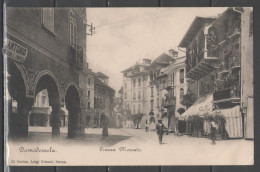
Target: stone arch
{"x":47,"y":80}
{"x":18,"y":90}
{"x":181,"y":110}
{"x":17,"y":82}
{"x":21,"y":68}
{"x":46,"y":72}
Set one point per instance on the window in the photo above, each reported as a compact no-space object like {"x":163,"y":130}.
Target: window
{"x":134,"y":82}
{"x":48,"y":18}
{"x":163,"y":84}
{"x":251,"y":24}
{"x":88,"y":105}
{"x":89,"y":81}
{"x":73,"y":29}
{"x":151,"y":105}
{"x":43,"y":100}
{"x":88,"y":94}
{"x":181,"y":93}
{"x":125,"y":95}
{"x":158,"y":72}
{"x":172,"y":79}
{"x":139,"y":95}
{"x":139,"y":108}
{"x":134,"y":96}
{"x":151,"y":91}
{"x":125,"y":85}
{"x":139,"y":81}
{"x":182,"y":76}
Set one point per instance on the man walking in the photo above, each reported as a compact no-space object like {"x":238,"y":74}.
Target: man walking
{"x":159,"y":128}
{"x":213,"y":132}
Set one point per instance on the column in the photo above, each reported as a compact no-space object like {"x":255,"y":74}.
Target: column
{"x":20,"y":121}
{"x":55,"y":120}
{"x":74,"y":127}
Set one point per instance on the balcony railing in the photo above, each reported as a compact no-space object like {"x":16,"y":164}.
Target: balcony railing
{"x":201,"y":65}
{"x":169,"y":85}
{"x":227,"y":95}
{"x":188,"y":99}
{"x":169,"y":102}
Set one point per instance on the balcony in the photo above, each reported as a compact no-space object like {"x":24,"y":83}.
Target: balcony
{"x":188,"y":99}
{"x":169,"y":85}
{"x":202,"y":65}
{"x":162,"y":86}
{"x":231,"y":95}
{"x":169,"y":102}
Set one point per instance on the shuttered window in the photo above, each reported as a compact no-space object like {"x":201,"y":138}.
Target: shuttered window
{"x":48,"y":19}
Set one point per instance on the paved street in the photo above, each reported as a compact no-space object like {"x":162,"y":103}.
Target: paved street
{"x":134,"y":137}
{"x":179,"y":150}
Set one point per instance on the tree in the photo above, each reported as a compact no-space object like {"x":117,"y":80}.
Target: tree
{"x":137,"y":119}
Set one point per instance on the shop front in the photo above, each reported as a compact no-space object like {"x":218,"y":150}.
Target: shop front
{"x":199,"y":116}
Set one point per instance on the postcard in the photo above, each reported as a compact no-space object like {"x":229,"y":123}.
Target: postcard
{"x":128,"y":86}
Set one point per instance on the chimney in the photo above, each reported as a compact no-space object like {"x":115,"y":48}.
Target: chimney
{"x":147,"y":61}
{"x":173,"y":53}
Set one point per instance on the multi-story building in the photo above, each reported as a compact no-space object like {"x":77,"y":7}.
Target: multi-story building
{"x":215,"y":48}
{"x":158,"y":81}
{"x":104,"y":97}
{"x":135,"y":89}
{"x":176,"y":88}
{"x":48,"y":52}
{"x":168,"y":85}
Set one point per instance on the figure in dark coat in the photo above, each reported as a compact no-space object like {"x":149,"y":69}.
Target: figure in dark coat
{"x":213,"y":127}
{"x":104,"y":123}
{"x":160,"y":130}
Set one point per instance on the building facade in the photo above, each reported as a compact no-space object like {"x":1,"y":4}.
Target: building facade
{"x":136,"y":90}
{"x":158,"y":81}
{"x":176,"y":88}
{"x":104,"y":97}
{"x":216,"y":65}
{"x":45,"y":48}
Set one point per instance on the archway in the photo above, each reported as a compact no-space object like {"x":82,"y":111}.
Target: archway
{"x":72,"y":101}
{"x":47,"y":81}
{"x":182,"y":125}
{"x":18,"y":105}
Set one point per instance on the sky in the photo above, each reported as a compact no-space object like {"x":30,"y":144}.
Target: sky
{"x":126,"y":35}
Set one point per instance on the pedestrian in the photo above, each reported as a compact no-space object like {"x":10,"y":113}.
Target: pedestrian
{"x":160,"y":130}
{"x":146,"y":125}
{"x":104,"y":123}
{"x":213,"y":129}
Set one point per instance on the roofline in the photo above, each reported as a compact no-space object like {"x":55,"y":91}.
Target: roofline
{"x":103,"y":84}
{"x":189,"y":30}
{"x":134,"y":66}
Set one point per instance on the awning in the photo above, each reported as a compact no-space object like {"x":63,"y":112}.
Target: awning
{"x":233,"y":118}
{"x":201,"y":106}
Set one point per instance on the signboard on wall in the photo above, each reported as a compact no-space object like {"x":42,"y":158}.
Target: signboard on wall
{"x":14,"y":50}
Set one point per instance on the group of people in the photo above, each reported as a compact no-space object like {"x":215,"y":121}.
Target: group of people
{"x":160,"y":128}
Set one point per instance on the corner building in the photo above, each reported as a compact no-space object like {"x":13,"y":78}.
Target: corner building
{"x":219,"y":56}
{"x":45,"y":48}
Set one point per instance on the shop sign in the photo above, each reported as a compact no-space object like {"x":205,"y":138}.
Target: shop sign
{"x":15,"y":51}
{"x":205,"y":108}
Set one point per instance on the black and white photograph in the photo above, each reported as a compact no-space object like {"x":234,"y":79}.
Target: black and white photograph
{"x":128,"y":86}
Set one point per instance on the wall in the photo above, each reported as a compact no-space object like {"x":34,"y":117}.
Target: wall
{"x":246,"y":58}
{"x":47,"y":51}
